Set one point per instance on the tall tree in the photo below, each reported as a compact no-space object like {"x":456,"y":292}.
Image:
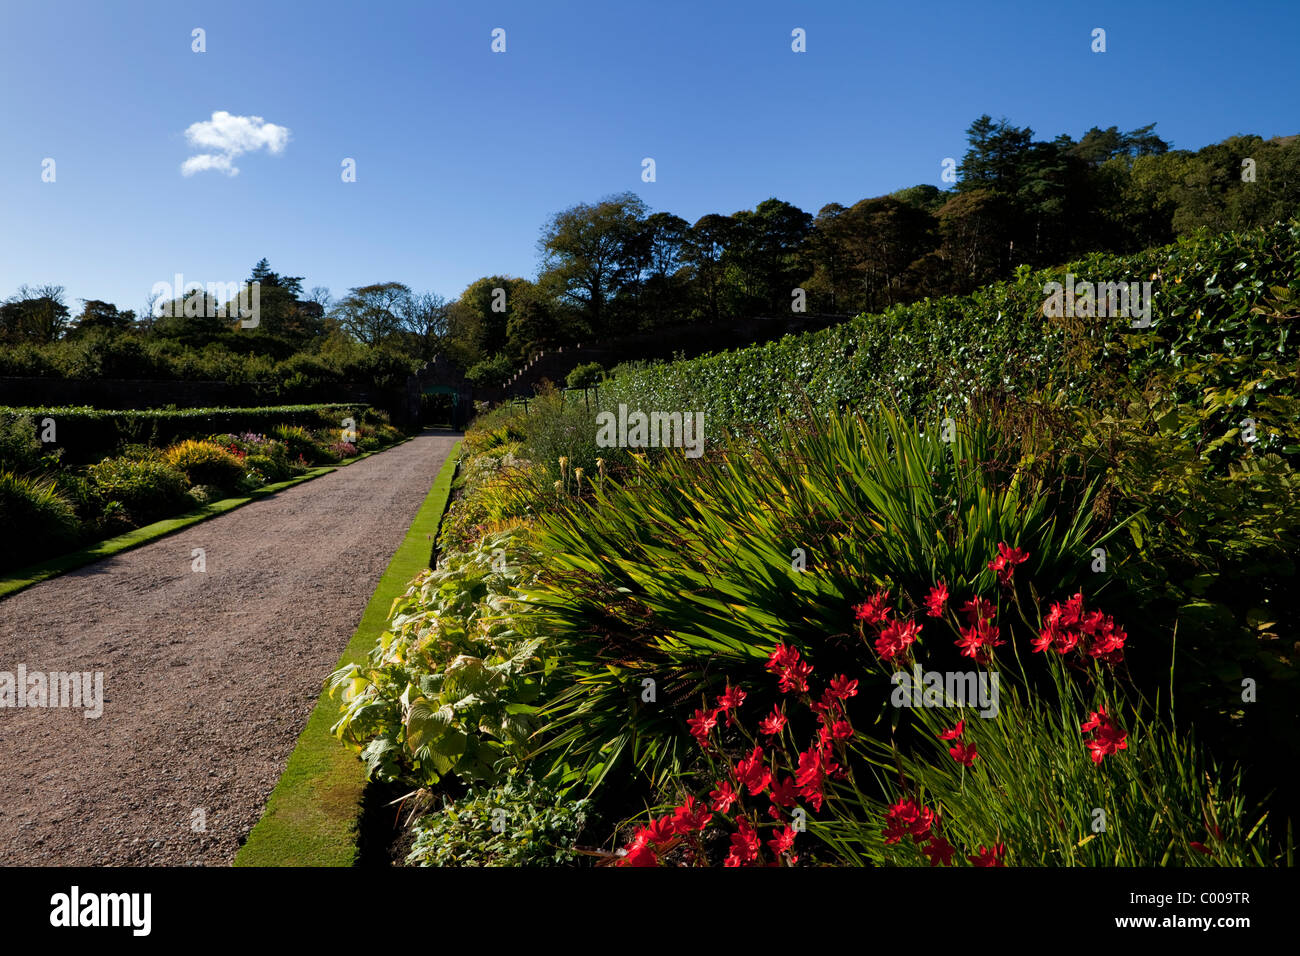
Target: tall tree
{"x":590,"y":253}
{"x":372,"y":314}
{"x":34,"y":315}
{"x":704,"y":252}
{"x":99,"y":315}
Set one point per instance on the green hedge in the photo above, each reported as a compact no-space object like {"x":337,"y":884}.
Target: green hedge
{"x":1225,"y":298}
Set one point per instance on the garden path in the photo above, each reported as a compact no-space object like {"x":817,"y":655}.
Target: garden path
{"x":208,"y":676}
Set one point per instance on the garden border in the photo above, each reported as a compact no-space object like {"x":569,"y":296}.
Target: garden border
{"x":22,"y":578}
{"x":312,"y":816}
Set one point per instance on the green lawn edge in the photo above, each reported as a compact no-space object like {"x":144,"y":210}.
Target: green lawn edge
{"x":23,"y":578}
{"x":312,"y":814}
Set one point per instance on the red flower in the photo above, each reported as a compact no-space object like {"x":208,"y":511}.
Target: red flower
{"x":896,"y":637}
{"x":773,"y":724}
{"x":781,"y":658}
{"x":659,"y":831}
{"x":723,"y":797}
{"x":783,"y":793}
{"x":936,"y":600}
{"x":955,"y":733}
{"x":701,"y":723}
{"x":814,"y":768}
{"x":783,"y":842}
{"x":1052,"y":635}
{"x":1109,"y":739}
{"x":977,"y":640}
{"x":784,"y":661}
{"x":1069,"y":614}
{"x":1199,"y":847}
{"x":639,"y":856}
{"x":751,"y":772}
{"x":906,"y":818}
{"x":690,"y":816}
{"x":939,"y":851}
{"x":744,"y":845}
{"x":731,"y":698}
{"x":1108,"y":642}
{"x":991,"y":857}
{"x":963,"y":753}
{"x":874,"y":609}
{"x":1005,"y":563}
{"x":795,"y":678}
{"x":843,"y":688}
{"x":977,"y":609}
{"x":840,"y":730}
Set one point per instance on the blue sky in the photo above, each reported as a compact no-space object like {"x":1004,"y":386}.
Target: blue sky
{"x":462,"y":154}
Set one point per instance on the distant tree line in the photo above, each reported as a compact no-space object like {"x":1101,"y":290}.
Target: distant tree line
{"x":613,"y":266}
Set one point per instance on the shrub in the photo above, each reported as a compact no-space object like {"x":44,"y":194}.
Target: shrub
{"x":269,"y":467}
{"x":300,"y":443}
{"x":584,"y":376}
{"x":491,"y":371}
{"x":447,"y":689}
{"x":206,"y":463}
{"x":20,"y":448}
{"x":37,"y":520}
{"x":517,"y":823}
{"x":149,"y":489}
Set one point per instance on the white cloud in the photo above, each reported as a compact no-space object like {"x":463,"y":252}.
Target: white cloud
{"x":227,"y":137}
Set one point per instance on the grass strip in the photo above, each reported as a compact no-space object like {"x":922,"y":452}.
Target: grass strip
{"x":18,"y":580}
{"x":312,"y":815}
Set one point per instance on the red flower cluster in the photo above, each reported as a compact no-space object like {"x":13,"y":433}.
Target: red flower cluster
{"x":1109,"y":739}
{"x":755,"y":775}
{"x":875,"y":610}
{"x":744,"y":845}
{"x":980,"y":635}
{"x":817,"y":764}
{"x":665,"y":833}
{"x":793,"y":673}
{"x":1067,"y":626}
{"x":907,"y":818}
{"x":962,"y":752}
{"x":703,"y":721}
{"x":1005,"y":563}
{"x":990,"y":857}
{"x":895,"y":637}
{"x":936,"y":600}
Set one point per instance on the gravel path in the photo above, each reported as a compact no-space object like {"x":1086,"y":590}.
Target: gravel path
{"x":208,"y":677}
